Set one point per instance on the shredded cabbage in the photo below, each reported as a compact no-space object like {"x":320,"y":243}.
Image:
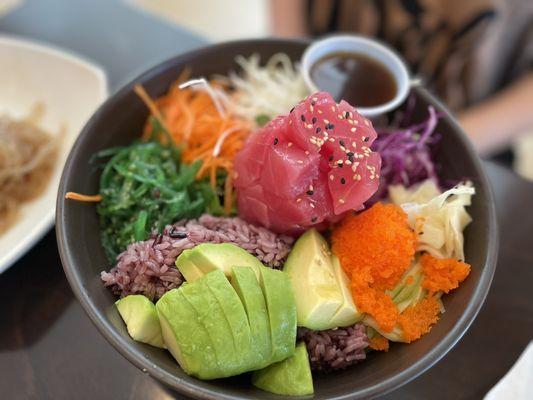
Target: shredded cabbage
{"x":420,"y":193}
{"x":264,"y":92}
{"x":439,"y":222}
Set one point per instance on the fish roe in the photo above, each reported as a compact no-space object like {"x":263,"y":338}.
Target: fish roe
{"x":442,"y":274}
{"x":379,"y":343}
{"x":375,"y":248}
{"x":416,"y":320}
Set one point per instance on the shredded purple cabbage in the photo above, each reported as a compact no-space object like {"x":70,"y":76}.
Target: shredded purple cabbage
{"x":407,"y":152}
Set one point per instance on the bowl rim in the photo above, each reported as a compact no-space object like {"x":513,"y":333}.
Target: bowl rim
{"x":188,"y":388}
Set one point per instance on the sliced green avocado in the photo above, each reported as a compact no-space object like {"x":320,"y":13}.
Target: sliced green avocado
{"x":281,"y":307}
{"x":187,"y":268}
{"x":140,"y":316}
{"x":233,"y":310}
{"x":249,"y":291}
{"x":348,"y":314}
{"x":186,"y":339}
{"x":318,"y":294}
{"x":290,"y":377}
{"x":211,"y":317}
{"x":208,"y":257}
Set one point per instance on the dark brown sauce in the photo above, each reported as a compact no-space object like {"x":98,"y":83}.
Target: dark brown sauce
{"x":360,"y":80}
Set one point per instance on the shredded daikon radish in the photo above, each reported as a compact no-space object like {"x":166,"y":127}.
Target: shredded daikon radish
{"x":263,"y":92}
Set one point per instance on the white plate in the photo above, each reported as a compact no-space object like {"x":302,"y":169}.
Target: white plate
{"x":70,"y":89}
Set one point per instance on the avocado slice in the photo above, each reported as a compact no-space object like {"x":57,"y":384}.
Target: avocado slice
{"x":318,"y":294}
{"x":208,"y":257}
{"x":281,"y":307}
{"x":141,"y":319}
{"x":187,"y":268}
{"x":235,"y":315}
{"x":249,"y":291}
{"x":211,"y":316}
{"x":347,"y":314}
{"x":185,"y":338}
{"x":290,"y":377}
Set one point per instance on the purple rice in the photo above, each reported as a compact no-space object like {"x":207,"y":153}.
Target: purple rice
{"x":334,"y":349}
{"x":148,"y":267}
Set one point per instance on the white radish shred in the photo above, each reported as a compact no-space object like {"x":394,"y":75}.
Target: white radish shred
{"x":220,"y":100}
{"x":266,"y":91}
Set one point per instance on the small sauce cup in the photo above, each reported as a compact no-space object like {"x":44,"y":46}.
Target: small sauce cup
{"x":365,"y":47}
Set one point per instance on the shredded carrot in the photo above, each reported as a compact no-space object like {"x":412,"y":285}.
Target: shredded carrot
{"x":416,"y":320}
{"x":442,"y":274}
{"x":193,"y":121}
{"x":379,"y":343}
{"x":375,"y":248}
{"x":83,"y":197}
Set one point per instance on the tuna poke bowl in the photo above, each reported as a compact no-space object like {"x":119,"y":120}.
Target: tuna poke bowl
{"x":236,"y":235}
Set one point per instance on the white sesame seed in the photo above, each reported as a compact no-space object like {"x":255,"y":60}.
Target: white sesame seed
{"x":331,"y":139}
{"x":300,"y":162}
{"x":312,"y":205}
{"x":333,"y":108}
{"x":331,"y":177}
{"x":350,"y":121}
{"x":353,"y":129}
{"x":354,"y":168}
{"x":319,"y":111}
{"x":341,"y":201}
{"x":340,"y":116}
{"x":339,"y":161}
{"x":326,"y":121}
{"x":311,"y":188}
{"x":354,"y":145}
{"x":309,"y":126}
{"x":348,"y":162}
{"x":298,"y":200}
{"x":306,"y":153}
{"x":289,"y":144}
{"x":343,"y":148}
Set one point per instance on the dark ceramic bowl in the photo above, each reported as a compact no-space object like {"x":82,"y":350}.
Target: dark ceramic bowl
{"x":120,"y":120}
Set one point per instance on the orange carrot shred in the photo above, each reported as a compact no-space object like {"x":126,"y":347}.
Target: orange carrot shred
{"x":83,"y":197}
